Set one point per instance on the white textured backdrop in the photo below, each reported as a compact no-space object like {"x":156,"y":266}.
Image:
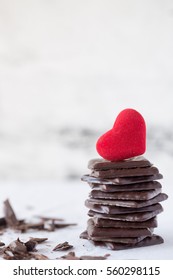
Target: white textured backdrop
{"x":66,"y":70}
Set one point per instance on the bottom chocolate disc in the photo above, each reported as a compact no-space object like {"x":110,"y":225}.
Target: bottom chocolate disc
{"x":147,"y":241}
{"x":123,"y":240}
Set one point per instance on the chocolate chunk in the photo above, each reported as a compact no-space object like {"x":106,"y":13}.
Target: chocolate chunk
{"x":129,"y":203}
{"x":153,"y":185}
{"x":131,"y":217}
{"x":102,"y":222}
{"x":10,"y":216}
{"x":2,"y":244}
{"x":38,"y":240}
{"x":30,"y":245}
{"x":84,"y":235}
{"x":63,"y":246}
{"x":125,"y":195}
{"x":148,"y":241}
{"x":121,"y":180}
{"x":17,"y":247}
{"x":70,"y":256}
{"x":130,"y":172}
{"x":116,"y":232}
{"x":102,"y":164}
{"x":3,"y":222}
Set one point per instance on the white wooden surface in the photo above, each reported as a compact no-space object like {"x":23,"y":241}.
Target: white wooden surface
{"x":66,"y":200}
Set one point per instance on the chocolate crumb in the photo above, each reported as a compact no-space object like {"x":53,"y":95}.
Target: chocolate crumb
{"x":50,"y":218}
{"x":40,"y":257}
{"x":72,"y":256}
{"x":30,"y":245}
{"x":95,"y":257}
{"x":63,"y":246}
{"x":10,"y":216}
{"x":17,"y":247}
{"x":2,"y":244}
{"x":39,"y":240}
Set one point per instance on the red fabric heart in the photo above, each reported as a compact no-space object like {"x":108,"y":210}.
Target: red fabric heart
{"x":126,"y":139}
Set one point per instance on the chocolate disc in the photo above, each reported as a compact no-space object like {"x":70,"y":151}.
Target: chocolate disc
{"x":145,"y":186}
{"x":125,"y":195}
{"x":103,"y":222}
{"x":131,"y":217}
{"x":100,"y":232}
{"x":121,"y":180}
{"x":102,"y":164}
{"x":128,"y":172}
{"x":148,"y":241}
{"x":108,"y":209}
{"x":128,"y":203}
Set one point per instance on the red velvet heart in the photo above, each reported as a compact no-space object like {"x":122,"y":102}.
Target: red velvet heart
{"x":126,"y":139}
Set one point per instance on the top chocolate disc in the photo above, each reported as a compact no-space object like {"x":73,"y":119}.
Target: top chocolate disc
{"x":103,"y":164}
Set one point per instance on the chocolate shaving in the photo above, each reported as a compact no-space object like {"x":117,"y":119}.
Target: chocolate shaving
{"x":18,"y":250}
{"x":46,"y":223}
{"x":60,"y":225}
{"x":10,"y":216}
{"x":2,"y":244}
{"x":95,"y":257}
{"x":72,"y":256}
{"x":39,"y":240}
{"x":30,"y":245}
{"x":40,"y":257}
{"x":50,"y":218}
{"x":3,"y":222}
{"x":26,"y":226}
{"x":24,"y":256}
{"x":63,"y":246}
{"x":17,"y":246}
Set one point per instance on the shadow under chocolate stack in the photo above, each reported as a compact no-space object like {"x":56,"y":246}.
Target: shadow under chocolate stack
{"x":123,"y":203}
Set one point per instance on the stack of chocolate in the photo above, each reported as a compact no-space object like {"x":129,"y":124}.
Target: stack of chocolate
{"x":123,"y":203}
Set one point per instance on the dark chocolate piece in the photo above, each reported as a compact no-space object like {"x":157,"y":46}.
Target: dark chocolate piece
{"x":131,"y":217}
{"x":130,"y":172}
{"x":3,"y":222}
{"x":102,"y":222}
{"x":148,"y":241}
{"x":129,"y":203}
{"x":152,"y":185}
{"x":10,"y":216}
{"x":125,"y":195}
{"x":121,"y":180}
{"x":63,"y":246}
{"x":38,"y":240}
{"x":84,"y":235}
{"x":116,"y":232}
{"x":107,"y":209}
{"x":95,"y":257}
{"x":30,"y":245}
{"x":102,"y":164}
{"x":72,"y":256}
{"x":124,"y":240}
